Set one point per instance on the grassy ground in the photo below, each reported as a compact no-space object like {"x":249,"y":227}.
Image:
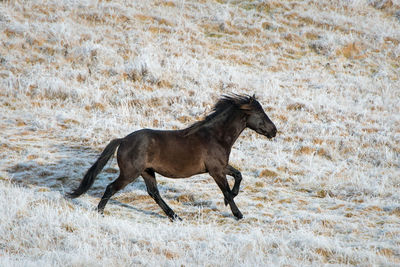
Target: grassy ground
{"x":75,"y":74}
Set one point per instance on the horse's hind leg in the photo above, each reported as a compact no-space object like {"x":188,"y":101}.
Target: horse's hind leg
{"x":114,"y":187}
{"x":151,"y":184}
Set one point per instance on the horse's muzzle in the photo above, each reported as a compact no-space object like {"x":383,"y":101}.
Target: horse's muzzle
{"x":271,"y":133}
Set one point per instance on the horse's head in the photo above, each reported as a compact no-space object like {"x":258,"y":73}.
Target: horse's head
{"x":257,"y":120}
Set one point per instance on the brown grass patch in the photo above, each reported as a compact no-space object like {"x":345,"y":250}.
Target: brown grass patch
{"x":305,"y":150}
{"x":132,"y":198}
{"x":251,"y":32}
{"x":292,"y":37}
{"x":38,"y":202}
{"x":69,"y":228}
{"x":277,"y":68}
{"x":156,"y":123}
{"x":328,"y":224}
{"x":392,"y":40}
{"x":166,"y":252}
{"x":32,"y":157}
{"x":370,"y":130}
{"x":235,"y":58}
{"x":286,"y":200}
{"x":263,"y":198}
{"x":282,"y":117}
{"x":396,"y":212}
{"x":167,"y":3}
{"x":282,"y":222}
{"x":185,"y":198}
{"x":302,"y":202}
{"x":170,"y":255}
{"x":283,"y":180}
{"x":358,"y":200}
{"x":283,"y":169}
{"x":387,"y":252}
{"x":20,"y":123}
{"x":382,"y":5}
{"x":347,"y":150}
{"x":147,"y":88}
{"x":43,"y":189}
{"x":143,"y":17}
{"x":93,"y":17}
{"x":325,"y":253}
{"x":111,"y":170}
{"x":288,"y":139}
{"x":4,"y":147}
{"x":324,"y":193}
{"x":317,"y":141}
{"x":267,"y":26}
{"x":373,"y":209}
{"x":147,"y":18}
{"x":351,"y":51}
{"x":259,"y":184}
{"x":159,"y":30}
{"x":323,"y":153}
{"x":259,"y":7}
{"x":165,"y":84}
{"x":71,"y":121}
{"x":184,"y":119}
{"x":267,"y":173}
{"x":296,"y":106}
{"x":312,"y":36}
{"x":349,"y":215}
{"x":95,"y":106}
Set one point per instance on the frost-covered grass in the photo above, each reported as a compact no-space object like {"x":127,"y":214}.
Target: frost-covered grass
{"x":75,"y":74}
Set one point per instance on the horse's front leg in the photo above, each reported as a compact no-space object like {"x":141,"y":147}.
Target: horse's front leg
{"x":222,"y":183}
{"x":231,"y":171}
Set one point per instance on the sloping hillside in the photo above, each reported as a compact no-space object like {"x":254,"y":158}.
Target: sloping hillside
{"x":76,"y":74}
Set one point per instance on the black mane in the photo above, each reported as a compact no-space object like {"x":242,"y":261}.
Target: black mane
{"x":229,"y":103}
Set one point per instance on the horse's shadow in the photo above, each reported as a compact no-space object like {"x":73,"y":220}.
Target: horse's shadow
{"x":58,"y":170}
{"x":64,"y":167}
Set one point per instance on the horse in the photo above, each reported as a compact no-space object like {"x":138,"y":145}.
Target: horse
{"x":203,"y":147}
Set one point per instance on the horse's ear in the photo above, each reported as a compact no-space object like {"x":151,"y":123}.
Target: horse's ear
{"x":249,"y":105}
{"x":254,"y":96}
{"x":246,"y":107}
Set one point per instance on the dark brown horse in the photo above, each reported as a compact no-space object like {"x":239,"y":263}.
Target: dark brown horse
{"x":203,"y":147}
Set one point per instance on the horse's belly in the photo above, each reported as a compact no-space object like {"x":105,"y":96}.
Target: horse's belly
{"x":179,"y":167}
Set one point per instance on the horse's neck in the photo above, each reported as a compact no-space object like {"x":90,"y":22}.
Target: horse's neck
{"x":228,"y":128}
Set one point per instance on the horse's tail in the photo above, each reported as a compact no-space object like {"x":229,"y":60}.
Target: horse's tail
{"x":96,"y":168}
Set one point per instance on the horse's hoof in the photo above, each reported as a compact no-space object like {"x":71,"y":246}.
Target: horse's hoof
{"x":100,"y":211}
{"x":239,"y":216}
{"x":175,"y":218}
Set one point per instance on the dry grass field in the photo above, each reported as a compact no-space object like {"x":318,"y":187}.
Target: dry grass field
{"x":76,"y":74}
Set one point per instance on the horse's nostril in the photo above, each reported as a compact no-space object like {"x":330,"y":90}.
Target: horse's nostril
{"x":272,"y":131}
